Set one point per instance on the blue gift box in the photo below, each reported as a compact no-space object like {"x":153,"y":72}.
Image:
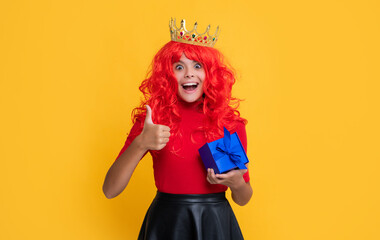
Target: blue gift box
{"x":224,"y":154}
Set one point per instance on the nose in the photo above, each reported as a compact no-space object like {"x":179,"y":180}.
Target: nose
{"x":189,"y":73}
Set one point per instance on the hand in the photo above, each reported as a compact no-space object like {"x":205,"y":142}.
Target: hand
{"x":154,"y":136}
{"x":232,"y":179}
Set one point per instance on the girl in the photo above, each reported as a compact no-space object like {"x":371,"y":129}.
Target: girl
{"x":187,"y":102}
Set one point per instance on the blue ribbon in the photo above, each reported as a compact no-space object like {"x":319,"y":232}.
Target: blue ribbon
{"x":225,"y":149}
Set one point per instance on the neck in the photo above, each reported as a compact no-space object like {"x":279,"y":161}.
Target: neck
{"x":196,"y":104}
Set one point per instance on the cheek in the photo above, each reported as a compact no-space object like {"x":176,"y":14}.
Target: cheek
{"x":176,"y":76}
{"x":203,"y":76}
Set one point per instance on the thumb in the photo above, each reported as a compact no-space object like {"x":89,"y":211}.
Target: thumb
{"x":148,"y":117}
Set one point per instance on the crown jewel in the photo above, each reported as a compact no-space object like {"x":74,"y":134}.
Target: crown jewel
{"x":192,"y":37}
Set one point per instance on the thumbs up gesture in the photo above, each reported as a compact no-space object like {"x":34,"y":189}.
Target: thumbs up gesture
{"x":154,"y":136}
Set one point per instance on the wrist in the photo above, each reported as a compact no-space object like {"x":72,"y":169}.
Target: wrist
{"x":140,"y":143}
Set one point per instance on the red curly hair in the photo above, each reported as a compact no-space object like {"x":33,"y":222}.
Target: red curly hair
{"x":160,"y":90}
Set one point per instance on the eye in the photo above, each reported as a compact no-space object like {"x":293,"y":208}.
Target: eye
{"x":178,"y":67}
{"x":198,"y":65}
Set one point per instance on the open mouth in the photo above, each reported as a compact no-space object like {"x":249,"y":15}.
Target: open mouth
{"x":190,"y":86}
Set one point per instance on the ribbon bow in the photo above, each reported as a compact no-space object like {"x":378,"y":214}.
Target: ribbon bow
{"x":226,"y":149}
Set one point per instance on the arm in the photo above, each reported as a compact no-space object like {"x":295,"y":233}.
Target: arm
{"x":152,"y":137}
{"x":241,"y":193}
{"x":241,"y":190}
{"x":120,"y":172}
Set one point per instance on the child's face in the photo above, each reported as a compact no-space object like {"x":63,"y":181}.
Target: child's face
{"x":190,"y":76}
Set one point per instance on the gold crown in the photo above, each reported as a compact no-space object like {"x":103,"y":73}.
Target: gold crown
{"x":192,"y":37}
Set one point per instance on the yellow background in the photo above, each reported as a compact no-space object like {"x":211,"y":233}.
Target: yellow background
{"x":308,"y":71}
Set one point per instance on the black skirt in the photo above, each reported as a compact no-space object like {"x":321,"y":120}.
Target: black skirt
{"x":190,"y":217}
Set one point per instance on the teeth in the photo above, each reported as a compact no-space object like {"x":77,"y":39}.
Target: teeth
{"x":190,"y":84}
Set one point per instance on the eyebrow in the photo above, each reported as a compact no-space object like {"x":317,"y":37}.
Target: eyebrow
{"x":191,"y":60}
